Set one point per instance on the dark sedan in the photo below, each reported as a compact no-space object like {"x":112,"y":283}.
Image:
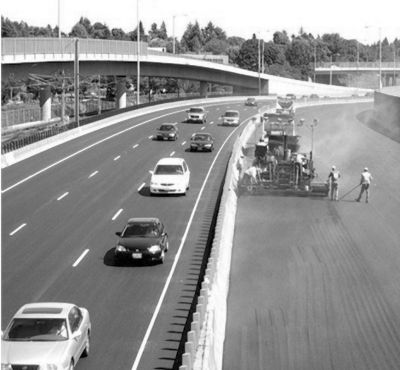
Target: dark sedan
{"x":142,"y":239}
{"x":167,"y":131}
{"x":251,"y":102}
{"x":201,"y":141}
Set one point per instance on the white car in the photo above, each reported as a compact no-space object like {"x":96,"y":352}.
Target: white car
{"x":46,"y":336}
{"x":170,"y":176}
{"x":197,"y":114}
{"x":231,"y":118}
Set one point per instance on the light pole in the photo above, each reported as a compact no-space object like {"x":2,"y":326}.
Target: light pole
{"x":315,"y":61}
{"x":173,"y":29}
{"x":380,"y":55}
{"x":58,"y":18}
{"x":138,"y":55}
{"x":259,"y":67}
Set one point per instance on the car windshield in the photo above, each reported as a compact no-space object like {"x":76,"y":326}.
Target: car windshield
{"x":37,"y":330}
{"x":251,"y":99}
{"x":169,"y":169}
{"x":196,"y":110}
{"x":141,"y":229}
{"x":166,"y":128}
{"x":201,"y":138}
{"x":231,"y":114}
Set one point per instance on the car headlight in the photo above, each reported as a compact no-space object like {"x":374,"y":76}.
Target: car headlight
{"x":154,"y":249}
{"x":120,"y":248}
{"x":153,"y":183}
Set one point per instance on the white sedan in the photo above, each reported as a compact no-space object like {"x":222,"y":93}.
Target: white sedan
{"x":50,"y":336}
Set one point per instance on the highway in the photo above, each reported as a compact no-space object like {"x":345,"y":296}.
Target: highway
{"x":314,"y":284}
{"x":60,"y":212}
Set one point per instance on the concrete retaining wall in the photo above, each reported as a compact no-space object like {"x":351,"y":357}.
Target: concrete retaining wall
{"x":387,"y":110}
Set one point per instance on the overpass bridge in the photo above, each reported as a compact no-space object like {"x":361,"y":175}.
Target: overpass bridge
{"x":23,"y":56}
{"x":329,"y":72}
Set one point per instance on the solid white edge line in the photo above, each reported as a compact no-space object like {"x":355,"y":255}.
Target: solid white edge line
{"x":141,"y":186}
{"x":151,"y":136}
{"x":178,"y":253}
{"x":17,"y":229}
{"x":63,"y":196}
{"x":212,"y":122}
{"x":93,"y":174}
{"x":117,"y":214}
{"x":183,"y":143}
{"x":135,"y":146}
{"x":117,"y":157}
{"x":172,"y":154}
{"x":93,"y":145}
{"x":203,"y":128}
{"x":82,"y":256}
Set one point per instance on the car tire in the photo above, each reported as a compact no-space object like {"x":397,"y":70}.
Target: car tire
{"x":86,"y":351}
{"x":166,"y":246}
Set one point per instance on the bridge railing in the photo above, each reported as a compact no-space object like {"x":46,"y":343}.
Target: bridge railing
{"x":359,"y":65}
{"x":34,"y":46}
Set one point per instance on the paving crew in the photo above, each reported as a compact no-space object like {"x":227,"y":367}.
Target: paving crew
{"x":250,"y":177}
{"x":333,"y":180}
{"x":365,"y":182}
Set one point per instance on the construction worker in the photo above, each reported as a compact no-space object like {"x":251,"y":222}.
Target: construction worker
{"x":365,"y":182}
{"x":333,"y":180}
{"x":250,"y":177}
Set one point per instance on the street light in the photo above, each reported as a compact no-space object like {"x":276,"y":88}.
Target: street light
{"x":380,"y":55}
{"x":58,"y":19}
{"x":173,"y":29}
{"x":138,"y":55}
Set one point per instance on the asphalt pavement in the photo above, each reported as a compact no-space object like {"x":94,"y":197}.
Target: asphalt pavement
{"x":314,"y":282}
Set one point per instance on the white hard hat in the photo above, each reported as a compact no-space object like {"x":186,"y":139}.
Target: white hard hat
{"x":333,"y":167}
{"x":366,"y":169}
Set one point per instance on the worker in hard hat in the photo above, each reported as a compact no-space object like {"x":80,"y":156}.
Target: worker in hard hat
{"x":365,"y":182}
{"x":333,"y":180}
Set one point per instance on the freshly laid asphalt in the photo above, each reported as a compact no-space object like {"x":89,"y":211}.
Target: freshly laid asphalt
{"x":314,"y":284}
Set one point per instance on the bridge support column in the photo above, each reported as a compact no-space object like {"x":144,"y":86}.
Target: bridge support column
{"x":120,"y":95}
{"x":45,"y":103}
{"x":203,"y":89}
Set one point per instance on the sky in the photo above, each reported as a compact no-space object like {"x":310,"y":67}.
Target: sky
{"x":352,"y":19}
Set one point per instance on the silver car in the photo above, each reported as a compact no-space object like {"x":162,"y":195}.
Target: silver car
{"x":50,"y":336}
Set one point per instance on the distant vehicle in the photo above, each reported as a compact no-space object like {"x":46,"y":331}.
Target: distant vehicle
{"x":201,"y":141}
{"x":197,"y":114}
{"x":170,"y":176}
{"x":314,"y":96}
{"x":230,"y":118}
{"x":291,"y":96}
{"x":251,"y":102}
{"x":167,"y":131}
{"x":47,"y":336}
{"x":142,"y":239}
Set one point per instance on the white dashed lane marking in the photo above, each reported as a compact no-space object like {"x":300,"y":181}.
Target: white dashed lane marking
{"x":212,"y":122}
{"x":117,"y":157}
{"x":135,"y":146}
{"x":183,"y":143}
{"x":82,"y":256}
{"x":141,"y":187}
{"x":17,"y":229}
{"x":151,"y":136}
{"x":203,"y":128}
{"x":172,"y":154}
{"x":117,"y":214}
{"x":63,"y":196}
{"x":93,"y":174}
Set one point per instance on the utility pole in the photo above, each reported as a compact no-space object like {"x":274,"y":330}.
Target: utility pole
{"x":76,"y":81}
{"x":99,"y":94}
{"x":259,"y":67}
{"x":62,"y":96}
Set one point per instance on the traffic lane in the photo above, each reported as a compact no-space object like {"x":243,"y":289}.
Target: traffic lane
{"x":19,"y":203}
{"x":16,"y":172}
{"x":325,"y":289}
{"x":51,"y":244}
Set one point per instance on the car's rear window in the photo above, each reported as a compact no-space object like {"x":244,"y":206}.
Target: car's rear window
{"x":166,"y":128}
{"x":201,"y":138}
{"x":169,"y":169}
{"x":37,"y":330}
{"x":196,"y":110}
{"x":141,"y":229}
{"x":231,"y":114}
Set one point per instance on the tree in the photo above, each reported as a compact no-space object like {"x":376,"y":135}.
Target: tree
{"x":133,"y":35}
{"x":154,"y":32}
{"x":118,"y":34}
{"x":299,"y":54}
{"x":8,"y":28}
{"x":281,"y":38}
{"x":100,"y":31}
{"x":163,"y":31}
{"x":79,"y":31}
{"x":248,"y":55}
{"x":192,"y":39}
{"x":215,"y":46}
